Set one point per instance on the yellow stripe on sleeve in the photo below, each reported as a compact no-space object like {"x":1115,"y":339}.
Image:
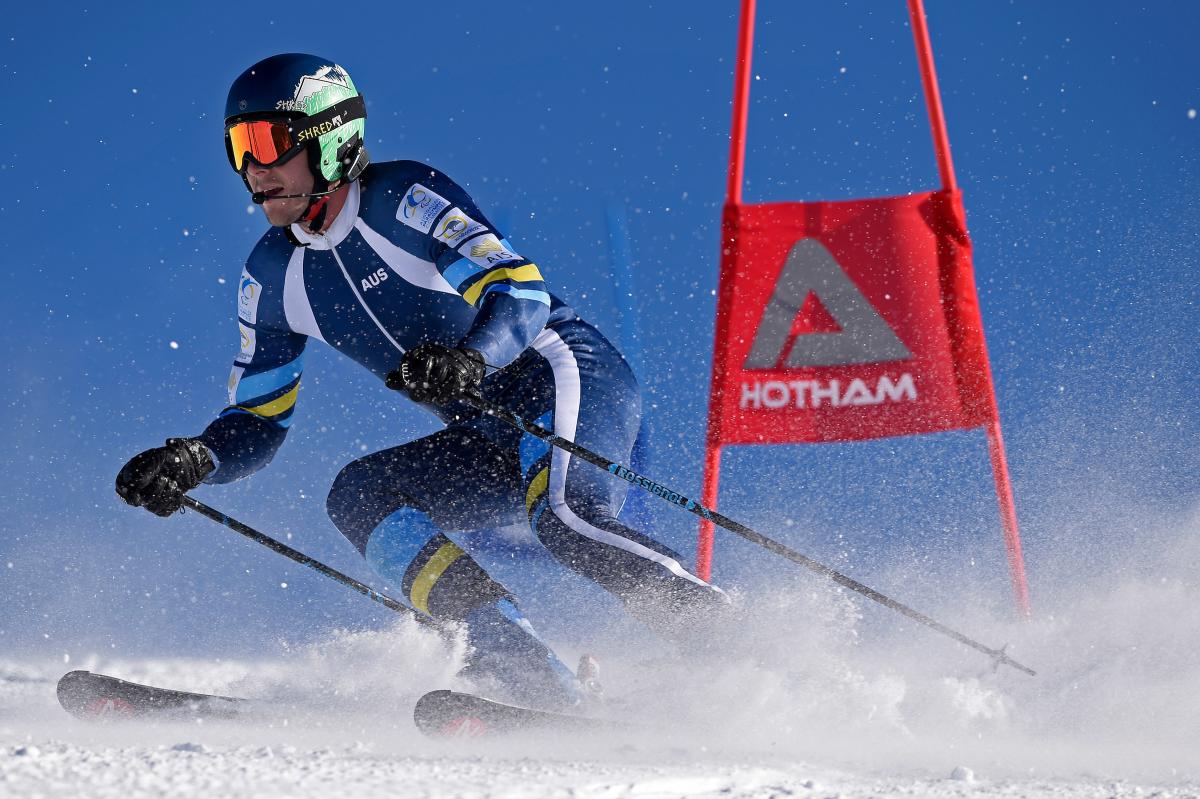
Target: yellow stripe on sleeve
{"x":275,"y":406}
{"x":521,"y":274}
{"x":446,"y":554}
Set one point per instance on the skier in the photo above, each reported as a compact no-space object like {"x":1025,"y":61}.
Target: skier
{"x":395,"y":266}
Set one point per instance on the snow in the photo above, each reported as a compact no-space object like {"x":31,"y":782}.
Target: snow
{"x":803,"y":702}
{"x":151,"y":765}
{"x":810,"y":694}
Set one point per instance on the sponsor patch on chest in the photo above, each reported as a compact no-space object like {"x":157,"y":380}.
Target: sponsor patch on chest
{"x":420,"y":207}
{"x":456,"y":226}
{"x":249,"y":293}
{"x":487,"y":251}
{"x":235,"y":377}
{"x":246,"y":352}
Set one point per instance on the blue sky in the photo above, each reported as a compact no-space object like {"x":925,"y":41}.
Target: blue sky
{"x":1075,"y":137}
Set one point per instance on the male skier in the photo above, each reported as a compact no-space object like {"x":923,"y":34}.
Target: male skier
{"x":396,"y":267}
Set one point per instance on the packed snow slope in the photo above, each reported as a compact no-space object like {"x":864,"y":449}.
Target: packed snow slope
{"x":799,"y":698}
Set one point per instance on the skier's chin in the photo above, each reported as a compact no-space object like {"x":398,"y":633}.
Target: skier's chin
{"x":281,"y":213}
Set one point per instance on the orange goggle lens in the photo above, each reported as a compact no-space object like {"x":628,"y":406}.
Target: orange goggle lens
{"x":265,"y":140}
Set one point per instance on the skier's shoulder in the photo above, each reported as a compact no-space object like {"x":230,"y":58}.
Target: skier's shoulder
{"x":402,"y":200}
{"x":412,"y":190}
{"x":403,"y":174}
{"x":270,"y":255}
{"x":263,"y":275}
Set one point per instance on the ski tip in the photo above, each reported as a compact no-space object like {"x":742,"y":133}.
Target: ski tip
{"x":68,"y":688}
{"x":72,"y":677}
{"x":78,"y":696}
{"x":447,"y":714}
{"x":99,"y":697}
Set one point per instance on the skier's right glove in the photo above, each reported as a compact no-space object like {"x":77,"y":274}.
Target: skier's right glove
{"x":158,"y":478}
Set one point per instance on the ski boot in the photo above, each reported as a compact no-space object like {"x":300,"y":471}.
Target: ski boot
{"x":509,"y":659}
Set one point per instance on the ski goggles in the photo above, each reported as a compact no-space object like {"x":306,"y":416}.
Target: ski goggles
{"x":264,"y":140}
{"x":270,"y":141}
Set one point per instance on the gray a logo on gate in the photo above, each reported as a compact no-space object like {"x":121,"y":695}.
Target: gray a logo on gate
{"x":864,"y":337}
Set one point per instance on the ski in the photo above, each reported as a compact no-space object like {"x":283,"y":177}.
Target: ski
{"x":450,"y":714}
{"x":98,"y":697}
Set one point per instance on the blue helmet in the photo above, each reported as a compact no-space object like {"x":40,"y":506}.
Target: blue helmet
{"x":324,"y":112}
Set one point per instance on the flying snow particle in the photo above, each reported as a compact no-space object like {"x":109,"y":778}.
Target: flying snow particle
{"x":134,"y":91}
{"x":283,"y":585}
{"x":1191,"y":113}
{"x":174,"y":345}
{"x":249,"y":209}
{"x":191,"y":178}
{"x":221,"y":280}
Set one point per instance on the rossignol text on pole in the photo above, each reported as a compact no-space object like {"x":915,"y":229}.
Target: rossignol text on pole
{"x":998,"y":656}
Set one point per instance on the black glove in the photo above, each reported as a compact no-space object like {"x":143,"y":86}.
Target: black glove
{"x":158,"y":478}
{"x":432,"y":372}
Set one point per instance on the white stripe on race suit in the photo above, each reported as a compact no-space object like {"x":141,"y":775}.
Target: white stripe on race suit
{"x":566,"y":421}
{"x":362,"y":302}
{"x":297,"y":310}
{"x":409,"y":267}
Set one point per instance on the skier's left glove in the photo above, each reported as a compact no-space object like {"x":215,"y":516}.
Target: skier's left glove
{"x":432,"y":372}
{"x":158,"y":478}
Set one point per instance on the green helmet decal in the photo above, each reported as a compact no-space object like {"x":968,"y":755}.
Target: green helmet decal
{"x":317,"y":92}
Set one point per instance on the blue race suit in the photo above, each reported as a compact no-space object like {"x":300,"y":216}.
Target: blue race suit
{"x":410,"y":258}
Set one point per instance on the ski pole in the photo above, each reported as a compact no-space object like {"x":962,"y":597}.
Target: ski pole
{"x":304,"y":560}
{"x":998,"y":656}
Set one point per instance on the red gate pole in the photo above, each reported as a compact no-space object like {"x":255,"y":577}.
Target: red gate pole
{"x":941,"y":146}
{"x":933,"y":97}
{"x":1008,"y":515}
{"x":741,"y":104}
{"x":733,"y":198}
